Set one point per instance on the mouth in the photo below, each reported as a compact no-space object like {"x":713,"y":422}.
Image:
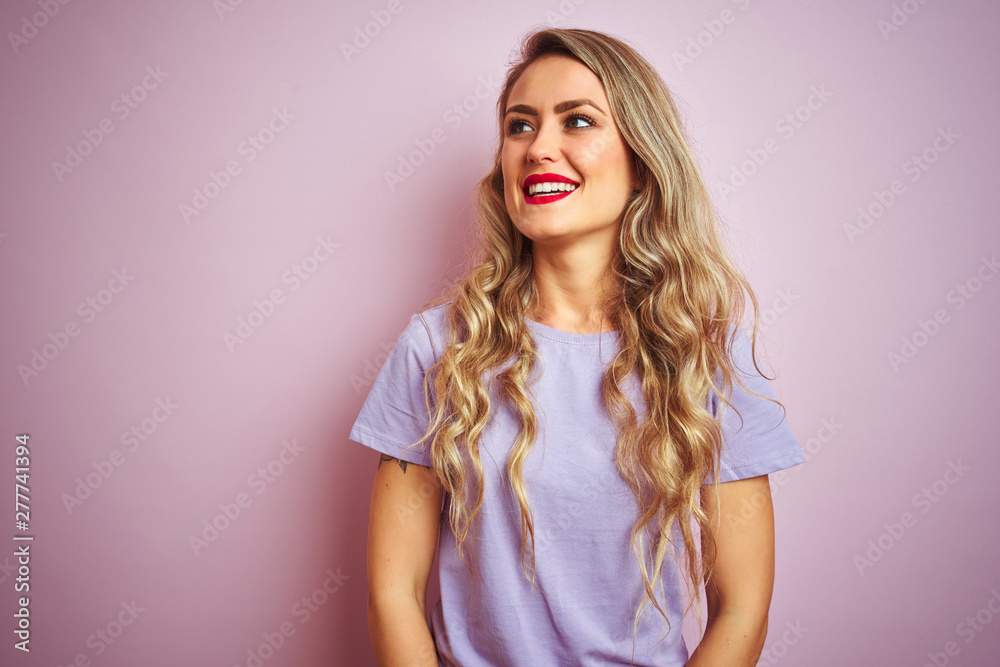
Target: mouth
{"x":546,"y":188}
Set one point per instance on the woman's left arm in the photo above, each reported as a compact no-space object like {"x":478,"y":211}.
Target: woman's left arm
{"x":738,"y":594}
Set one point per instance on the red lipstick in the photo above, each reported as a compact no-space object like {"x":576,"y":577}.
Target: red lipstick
{"x":546,"y":178}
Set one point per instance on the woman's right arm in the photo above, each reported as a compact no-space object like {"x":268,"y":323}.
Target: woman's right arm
{"x":402,"y":537}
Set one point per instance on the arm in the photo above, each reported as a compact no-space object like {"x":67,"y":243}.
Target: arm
{"x":402,"y":537}
{"x":739,"y":592}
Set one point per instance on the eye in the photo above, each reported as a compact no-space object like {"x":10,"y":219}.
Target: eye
{"x":579,"y":116}
{"x":517,"y":122}
{"x":514,"y":122}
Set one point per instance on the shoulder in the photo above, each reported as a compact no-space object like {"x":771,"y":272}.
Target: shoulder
{"x":745,"y":359}
{"x":757,"y":439}
{"x":426,"y":334}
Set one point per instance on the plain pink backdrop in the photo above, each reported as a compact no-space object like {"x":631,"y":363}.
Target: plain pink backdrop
{"x":869,"y":84}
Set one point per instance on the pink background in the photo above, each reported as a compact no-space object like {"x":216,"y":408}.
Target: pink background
{"x":838,"y":305}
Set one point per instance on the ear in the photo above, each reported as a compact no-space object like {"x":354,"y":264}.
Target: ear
{"x":638,"y":183}
{"x":639,"y":180}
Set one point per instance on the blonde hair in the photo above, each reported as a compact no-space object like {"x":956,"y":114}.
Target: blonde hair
{"x":676,"y":305}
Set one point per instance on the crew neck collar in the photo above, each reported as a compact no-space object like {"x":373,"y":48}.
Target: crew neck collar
{"x":568,"y":336}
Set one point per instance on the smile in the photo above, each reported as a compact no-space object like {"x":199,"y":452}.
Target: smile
{"x":546,"y":188}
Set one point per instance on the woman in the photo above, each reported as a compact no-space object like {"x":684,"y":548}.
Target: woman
{"x":572,"y":399}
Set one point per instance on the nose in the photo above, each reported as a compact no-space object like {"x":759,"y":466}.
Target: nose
{"x":545,"y":145}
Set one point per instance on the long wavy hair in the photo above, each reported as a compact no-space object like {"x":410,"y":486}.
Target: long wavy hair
{"x":677,"y":302}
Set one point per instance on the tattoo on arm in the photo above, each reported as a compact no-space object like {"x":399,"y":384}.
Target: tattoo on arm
{"x":383,"y":457}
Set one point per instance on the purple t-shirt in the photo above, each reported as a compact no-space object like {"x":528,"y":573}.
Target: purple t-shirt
{"x":581,"y":506}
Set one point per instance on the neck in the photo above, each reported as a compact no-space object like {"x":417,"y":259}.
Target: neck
{"x":572,"y":283}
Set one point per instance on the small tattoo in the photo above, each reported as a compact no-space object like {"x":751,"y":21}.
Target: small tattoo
{"x":384,"y":457}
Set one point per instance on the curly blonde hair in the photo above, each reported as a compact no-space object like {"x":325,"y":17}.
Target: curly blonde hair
{"x":677,"y":304}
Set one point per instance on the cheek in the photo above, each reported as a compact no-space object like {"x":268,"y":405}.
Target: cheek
{"x":510,"y":192}
{"x":613,"y":163}
{"x":596,"y":153}
{"x":507,"y":169}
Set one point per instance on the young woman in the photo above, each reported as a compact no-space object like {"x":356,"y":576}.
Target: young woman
{"x":572,"y":401}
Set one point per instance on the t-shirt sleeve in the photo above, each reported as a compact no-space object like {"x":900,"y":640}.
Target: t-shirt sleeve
{"x":395,"y":415}
{"x":763,"y":441}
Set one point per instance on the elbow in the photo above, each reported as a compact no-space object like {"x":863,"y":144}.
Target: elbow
{"x":758,"y":647}
{"x":379,"y":604}
{"x":755,"y":631}
{"x":745,"y":628}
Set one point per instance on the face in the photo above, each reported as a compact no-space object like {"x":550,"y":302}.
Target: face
{"x":551,"y":135}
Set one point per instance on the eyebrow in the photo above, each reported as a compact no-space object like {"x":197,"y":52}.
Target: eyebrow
{"x":559,"y":108}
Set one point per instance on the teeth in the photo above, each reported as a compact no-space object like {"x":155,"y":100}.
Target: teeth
{"x":541,"y":188}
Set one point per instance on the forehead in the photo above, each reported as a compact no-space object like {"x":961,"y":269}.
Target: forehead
{"x":554,"y":78}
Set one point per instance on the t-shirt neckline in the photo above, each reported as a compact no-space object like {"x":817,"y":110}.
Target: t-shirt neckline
{"x":568,"y":336}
